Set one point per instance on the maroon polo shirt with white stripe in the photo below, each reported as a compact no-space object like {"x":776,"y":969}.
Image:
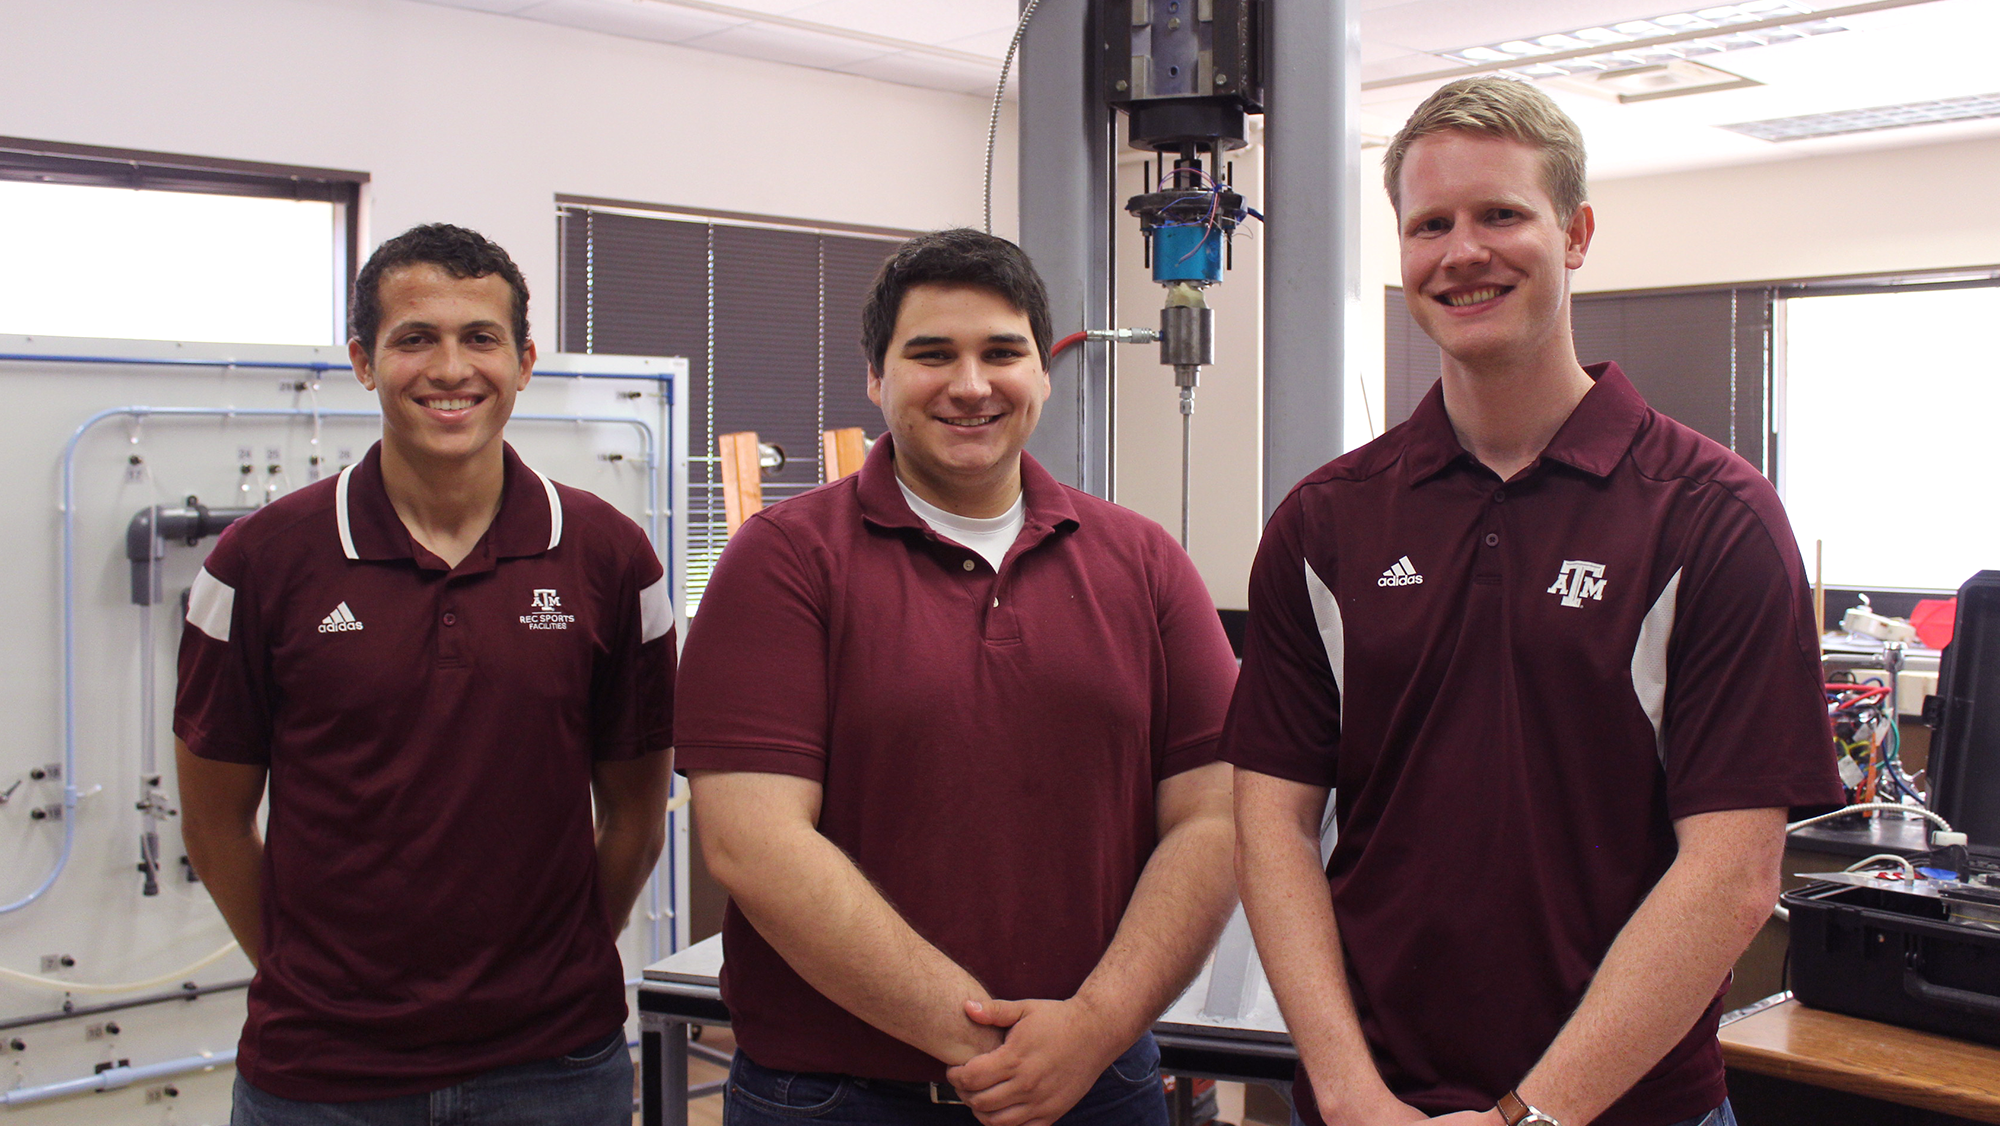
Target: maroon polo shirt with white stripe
{"x":988,"y":743}
{"x":1515,"y":690}
{"x":430,"y":901}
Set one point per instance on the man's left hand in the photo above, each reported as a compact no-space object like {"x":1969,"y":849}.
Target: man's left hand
{"x":1053,"y":1053}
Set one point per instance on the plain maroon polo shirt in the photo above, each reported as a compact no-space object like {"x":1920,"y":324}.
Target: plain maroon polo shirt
{"x":989,"y":743}
{"x":1514,"y":690}
{"x":430,"y":902}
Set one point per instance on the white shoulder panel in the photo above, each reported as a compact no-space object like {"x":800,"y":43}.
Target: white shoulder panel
{"x":1332,"y":634}
{"x":340,"y":514}
{"x":211,"y":602}
{"x":1649,"y":661}
{"x":555,"y":509}
{"x":656,"y":611}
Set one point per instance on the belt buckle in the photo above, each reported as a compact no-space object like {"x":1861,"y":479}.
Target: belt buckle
{"x":945,"y":1094}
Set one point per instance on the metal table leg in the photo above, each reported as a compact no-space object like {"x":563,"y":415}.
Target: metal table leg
{"x":663,"y":1055}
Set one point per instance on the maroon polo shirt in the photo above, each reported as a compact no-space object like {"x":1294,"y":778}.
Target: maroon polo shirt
{"x":430,"y":901}
{"x":1515,"y":690}
{"x":988,"y":743}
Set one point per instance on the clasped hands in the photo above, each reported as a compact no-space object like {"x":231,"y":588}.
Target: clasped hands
{"x":1051,"y":1054}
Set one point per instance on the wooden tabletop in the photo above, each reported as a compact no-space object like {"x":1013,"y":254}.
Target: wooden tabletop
{"x":1862,"y":1057}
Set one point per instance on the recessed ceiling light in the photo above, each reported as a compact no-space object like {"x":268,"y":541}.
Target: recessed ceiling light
{"x":1669,"y":79}
{"x":1973,"y":108}
{"x":1720,"y":19}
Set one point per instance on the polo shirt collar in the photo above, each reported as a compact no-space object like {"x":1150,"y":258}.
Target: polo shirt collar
{"x":530,"y":520}
{"x":1593,"y":439}
{"x":1047,"y":503}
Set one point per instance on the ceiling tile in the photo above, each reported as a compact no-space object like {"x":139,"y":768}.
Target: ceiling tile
{"x":927,"y":71}
{"x":932,"y":23}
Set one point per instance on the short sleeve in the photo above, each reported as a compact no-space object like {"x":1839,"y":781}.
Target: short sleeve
{"x":222,"y":706}
{"x":1285,"y":717}
{"x":1745,"y":724}
{"x":632,"y":690}
{"x":1201,"y":669}
{"x":753,"y":692}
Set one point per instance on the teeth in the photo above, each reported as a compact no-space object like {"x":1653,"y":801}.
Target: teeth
{"x":980,"y":421}
{"x":449,"y":404}
{"x":1459,"y":300}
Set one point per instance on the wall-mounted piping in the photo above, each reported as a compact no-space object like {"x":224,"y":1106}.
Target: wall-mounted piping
{"x":71,"y":791}
{"x":185,"y":993}
{"x":113,"y":1078}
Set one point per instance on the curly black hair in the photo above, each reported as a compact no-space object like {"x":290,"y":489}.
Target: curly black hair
{"x":961,"y":256}
{"x":455,"y":250}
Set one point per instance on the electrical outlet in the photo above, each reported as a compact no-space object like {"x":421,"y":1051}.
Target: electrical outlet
{"x":56,"y":963}
{"x":162,"y":1092}
{"x":100,"y":1031}
{"x":135,"y":474}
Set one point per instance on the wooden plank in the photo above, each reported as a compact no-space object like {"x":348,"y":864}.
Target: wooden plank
{"x":1863,"y":1057}
{"x":742,"y":477}
{"x":843,"y":451}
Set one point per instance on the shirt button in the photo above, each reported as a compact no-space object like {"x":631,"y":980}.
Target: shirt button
{"x":1493,"y":539}
{"x":450,"y":618}
{"x":996,"y":604}
{"x":1499,"y":496}
{"x":969,"y":564}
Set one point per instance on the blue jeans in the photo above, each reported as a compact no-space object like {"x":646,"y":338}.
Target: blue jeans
{"x":591,"y":1086}
{"x":1720,"y":1116}
{"x":1127,"y":1094}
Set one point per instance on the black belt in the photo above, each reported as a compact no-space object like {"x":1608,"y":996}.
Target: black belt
{"x":942,"y":1093}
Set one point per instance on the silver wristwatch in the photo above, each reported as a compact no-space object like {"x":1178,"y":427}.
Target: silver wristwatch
{"x":1515,"y":1111}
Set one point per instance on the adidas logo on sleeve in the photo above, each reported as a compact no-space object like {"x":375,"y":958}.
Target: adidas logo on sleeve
{"x":1404,"y":573}
{"x":340,"y":621}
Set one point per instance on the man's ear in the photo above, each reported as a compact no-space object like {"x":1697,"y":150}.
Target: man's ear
{"x":1582,"y":226}
{"x":527,"y":365}
{"x":874,"y":385}
{"x":357,"y":355}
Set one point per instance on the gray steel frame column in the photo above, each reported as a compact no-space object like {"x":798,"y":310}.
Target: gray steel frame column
{"x":1312,"y":256}
{"x":1066,"y":227}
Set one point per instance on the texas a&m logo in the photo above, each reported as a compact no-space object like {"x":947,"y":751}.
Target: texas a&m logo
{"x":1579,"y":580}
{"x":546,"y":607}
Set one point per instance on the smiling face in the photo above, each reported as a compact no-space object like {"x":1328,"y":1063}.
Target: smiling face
{"x":961,"y":388}
{"x":1486,"y":258}
{"x":446,"y":367}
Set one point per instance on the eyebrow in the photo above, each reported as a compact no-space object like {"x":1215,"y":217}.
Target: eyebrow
{"x":933,"y":341}
{"x":408,"y":326}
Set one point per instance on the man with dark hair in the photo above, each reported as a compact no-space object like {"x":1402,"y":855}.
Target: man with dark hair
{"x":975,"y":837}
{"x":440,"y":661}
{"x":1553,"y":653}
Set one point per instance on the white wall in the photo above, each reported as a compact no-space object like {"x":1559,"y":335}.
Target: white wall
{"x":1921,"y":208}
{"x":458,"y":116}
{"x":482,"y":120}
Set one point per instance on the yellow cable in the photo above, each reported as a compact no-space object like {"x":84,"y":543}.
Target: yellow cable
{"x":174,"y":978}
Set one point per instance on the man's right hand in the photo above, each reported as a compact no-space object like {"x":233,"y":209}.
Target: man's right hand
{"x":1385,"y":1110}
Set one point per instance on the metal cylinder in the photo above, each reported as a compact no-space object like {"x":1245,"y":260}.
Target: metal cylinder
{"x":1187,"y":335}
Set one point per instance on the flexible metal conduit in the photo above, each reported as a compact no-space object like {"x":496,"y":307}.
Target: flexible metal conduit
{"x":71,"y":792}
{"x":112,"y":1078}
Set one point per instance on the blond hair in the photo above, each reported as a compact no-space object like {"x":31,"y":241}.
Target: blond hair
{"x":1498,"y":107}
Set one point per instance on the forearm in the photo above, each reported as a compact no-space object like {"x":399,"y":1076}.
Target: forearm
{"x":627,"y":850}
{"x":1661,"y":972}
{"x":835,"y":929}
{"x":1180,"y":905}
{"x":231,"y":866}
{"x":1286,"y":899}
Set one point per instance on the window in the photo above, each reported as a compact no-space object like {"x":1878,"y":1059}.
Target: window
{"x":1890,"y":399}
{"x":112,"y":243}
{"x":768,"y":313}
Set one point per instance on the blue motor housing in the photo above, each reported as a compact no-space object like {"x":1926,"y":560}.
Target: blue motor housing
{"x":1187,"y":253}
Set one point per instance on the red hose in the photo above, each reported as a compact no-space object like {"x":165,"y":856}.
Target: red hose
{"x":1063,"y":344}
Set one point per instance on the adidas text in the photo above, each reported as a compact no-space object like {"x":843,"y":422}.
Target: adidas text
{"x":1399,"y":580}
{"x":338,"y":627}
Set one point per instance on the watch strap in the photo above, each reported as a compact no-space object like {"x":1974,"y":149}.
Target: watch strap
{"x":1515,"y":1111}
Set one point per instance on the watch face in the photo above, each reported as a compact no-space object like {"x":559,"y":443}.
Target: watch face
{"x":1537,"y":1118}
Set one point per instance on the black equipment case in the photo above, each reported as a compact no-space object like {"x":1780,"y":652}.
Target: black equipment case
{"x":1926,"y":957}
{"x":1896,"y":957}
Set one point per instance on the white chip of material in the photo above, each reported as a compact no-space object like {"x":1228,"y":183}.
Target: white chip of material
{"x":211,"y":602}
{"x":1332,"y":634}
{"x":555,"y":510}
{"x":1649,"y":662}
{"x":656,"y":611}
